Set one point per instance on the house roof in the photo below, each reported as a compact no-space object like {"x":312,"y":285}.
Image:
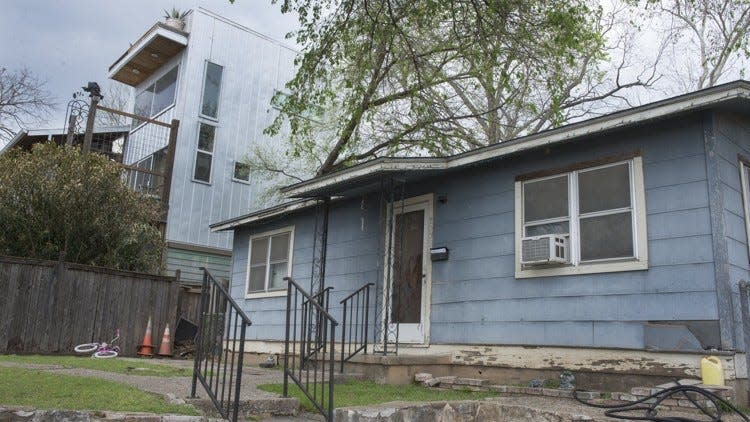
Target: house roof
{"x":26,"y":138}
{"x":733,"y":96}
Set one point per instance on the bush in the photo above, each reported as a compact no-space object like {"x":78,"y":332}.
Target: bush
{"x":55,"y":199}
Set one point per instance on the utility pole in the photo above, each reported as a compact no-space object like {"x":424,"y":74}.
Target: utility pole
{"x":95,"y":94}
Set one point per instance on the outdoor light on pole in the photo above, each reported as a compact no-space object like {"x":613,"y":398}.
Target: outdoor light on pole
{"x":95,"y":94}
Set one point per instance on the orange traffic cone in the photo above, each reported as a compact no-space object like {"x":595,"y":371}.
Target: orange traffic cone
{"x":147,"y":347}
{"x":165,"y":349}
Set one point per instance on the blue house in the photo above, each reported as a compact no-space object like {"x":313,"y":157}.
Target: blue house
{"x":614,"y":247}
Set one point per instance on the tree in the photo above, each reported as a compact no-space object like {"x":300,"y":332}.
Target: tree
{"x":55,"y":200}
{"x":709,"y":38}
{"x":397,"y":77}
{"x":116,"y":96}
{"x":23,"y":100}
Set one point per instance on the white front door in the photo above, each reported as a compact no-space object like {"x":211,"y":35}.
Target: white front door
{"x":409,"y":302}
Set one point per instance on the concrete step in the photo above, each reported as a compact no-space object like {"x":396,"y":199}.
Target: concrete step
{"x":253,"y":408}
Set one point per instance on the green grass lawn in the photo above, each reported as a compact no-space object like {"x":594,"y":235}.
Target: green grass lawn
{"x":43,"y":390}
{"x":122,"y":366}
{"x":361,"y":393}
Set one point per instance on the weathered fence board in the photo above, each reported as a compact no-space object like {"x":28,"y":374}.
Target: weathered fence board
{"x":49,"y":307}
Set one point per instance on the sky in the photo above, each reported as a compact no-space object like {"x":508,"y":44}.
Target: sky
{"x":70,"y":42}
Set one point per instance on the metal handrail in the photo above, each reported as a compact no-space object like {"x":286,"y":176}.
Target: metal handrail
{"x":361,"y":318}
{"x":311,"y":299}
{"x":302,"y":367}
{"x":211,"y":346}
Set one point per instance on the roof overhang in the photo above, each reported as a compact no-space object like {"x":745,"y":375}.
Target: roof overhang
{"x":152,"y":51}
{"x":264,"y":215}
{"x":734,"y":95}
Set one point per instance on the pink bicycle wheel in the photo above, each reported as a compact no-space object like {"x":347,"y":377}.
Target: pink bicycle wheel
{"x":104,"y":354}
{"x":86,"y":348}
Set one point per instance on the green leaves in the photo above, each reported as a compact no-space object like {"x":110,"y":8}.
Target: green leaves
{"x":399,"y":77}
{"x":55,"y":199}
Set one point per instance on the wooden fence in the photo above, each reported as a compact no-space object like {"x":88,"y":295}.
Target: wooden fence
{"x":48,"y":307}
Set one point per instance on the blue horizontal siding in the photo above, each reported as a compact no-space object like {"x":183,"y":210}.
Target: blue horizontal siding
{"x":475,"y":296}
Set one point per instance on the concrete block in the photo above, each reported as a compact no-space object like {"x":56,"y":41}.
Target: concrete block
{"x":589,"y":395}
{"x":449,"y":380}
{"x":476,"y":382}
{"x":498,"y":388}
{"x":422,"y":376}
{"x":432,"y":382}
{"x":640,"y":391}
{"x":627,"y":397}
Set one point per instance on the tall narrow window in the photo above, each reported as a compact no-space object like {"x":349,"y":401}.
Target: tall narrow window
{"x":204,"y":155}
{"x":211,"y":90}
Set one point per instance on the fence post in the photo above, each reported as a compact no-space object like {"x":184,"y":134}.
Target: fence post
{"x":198,"y":338}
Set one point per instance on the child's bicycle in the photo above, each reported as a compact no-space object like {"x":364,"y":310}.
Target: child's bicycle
{"x":101,"y":350}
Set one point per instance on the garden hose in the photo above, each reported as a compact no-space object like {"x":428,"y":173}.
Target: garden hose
{"x":648,"y":405}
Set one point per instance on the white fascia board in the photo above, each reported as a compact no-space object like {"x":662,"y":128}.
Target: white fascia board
{"x":143,"y":42}
{"x":576,"y":130}
{"x":262,"y":215}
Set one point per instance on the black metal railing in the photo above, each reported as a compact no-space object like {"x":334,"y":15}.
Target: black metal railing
{"x":219,"y":347}
{"x":309,"y":348}
{"x":354,"y":323}
{"x":314,"y":343}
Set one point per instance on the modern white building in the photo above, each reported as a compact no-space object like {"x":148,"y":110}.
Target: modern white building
{"x":217,"y":78}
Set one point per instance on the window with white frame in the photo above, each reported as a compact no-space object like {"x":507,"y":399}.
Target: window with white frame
{"x":600,"y":209}
{"x":204,"y":154}
{"x":745,"y":181}
{"x":241,"y":171}
{"x":270,"y":260}
{"x":211,"y":90}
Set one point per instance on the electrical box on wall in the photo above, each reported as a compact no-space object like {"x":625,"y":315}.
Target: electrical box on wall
{"x":439,"y":254}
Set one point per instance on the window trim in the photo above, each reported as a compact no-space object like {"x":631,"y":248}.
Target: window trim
{"x":274,"y":292}
{"x":203,"y":91}
{"x":234,"y":179}
{"x":744,"y":163}
{"x":199,"y":150}
{"x":640,"y":232}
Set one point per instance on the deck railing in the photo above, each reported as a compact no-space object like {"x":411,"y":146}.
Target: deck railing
{"x":309,"y":347}
{"x":219,"y":347}
{"x":354,"y":323}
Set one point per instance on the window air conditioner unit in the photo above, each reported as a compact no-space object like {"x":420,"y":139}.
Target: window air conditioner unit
{"x":545,"y":250}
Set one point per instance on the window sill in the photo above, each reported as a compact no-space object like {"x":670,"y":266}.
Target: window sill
{"x":244,"y":182}
{"x":272,"y":293}
{"x":593,"y":268}
{"x":201,"y":182}
{"x":208,"y":118}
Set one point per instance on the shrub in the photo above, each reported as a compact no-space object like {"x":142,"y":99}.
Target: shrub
{"x":55,"y":200}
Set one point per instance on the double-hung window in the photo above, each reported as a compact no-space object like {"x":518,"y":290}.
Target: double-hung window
{"x":204,"y":155}
{"x":600,"y":210}
{"x":270,"y":260}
